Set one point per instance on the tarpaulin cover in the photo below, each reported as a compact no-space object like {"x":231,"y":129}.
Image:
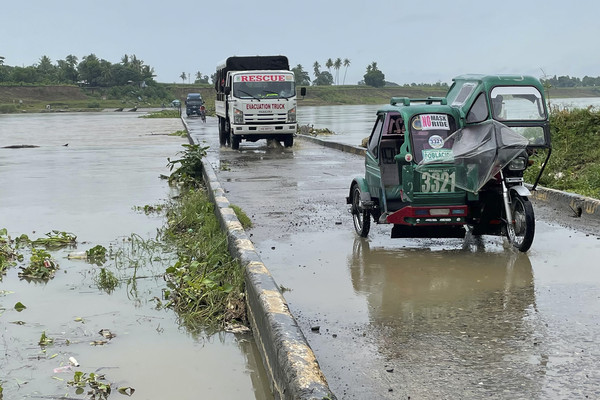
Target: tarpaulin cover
{"x":481,"y":150}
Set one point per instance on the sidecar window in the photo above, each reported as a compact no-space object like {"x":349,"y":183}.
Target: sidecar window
{"x":429,"y":136}
{"x":517,"y":103}
{"x":479,"y":110}
{"x":375,"y":135}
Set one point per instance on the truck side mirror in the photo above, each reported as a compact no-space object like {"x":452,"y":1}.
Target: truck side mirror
{"x":227,"y":90}
{"x":303,"y":91}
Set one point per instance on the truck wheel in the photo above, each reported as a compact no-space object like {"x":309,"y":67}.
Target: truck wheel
{"x":235,"y":142}
{"x":223,"y":136}
{"x":288,"y":141}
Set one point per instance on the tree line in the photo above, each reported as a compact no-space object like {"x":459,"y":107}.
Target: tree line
{"x":567,"y":81}
{"x":90,"y":71}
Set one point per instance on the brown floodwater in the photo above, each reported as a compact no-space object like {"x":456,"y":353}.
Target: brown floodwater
{"x":87,"y":175}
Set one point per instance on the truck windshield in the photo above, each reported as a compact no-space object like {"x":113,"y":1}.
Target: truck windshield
{"x":264,"y":86}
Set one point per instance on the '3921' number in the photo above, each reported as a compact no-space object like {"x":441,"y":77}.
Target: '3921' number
{"x":438,"y":181}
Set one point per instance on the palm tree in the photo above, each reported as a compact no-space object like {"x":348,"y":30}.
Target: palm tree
{"x":316,"y":69}
{"x":329,"y":64}
{"x":337,"y":65}
{"x":183,"y":76}
{"x":346,"y":65}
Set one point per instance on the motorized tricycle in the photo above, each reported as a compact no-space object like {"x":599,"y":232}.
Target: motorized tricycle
{"x":442,"y":166}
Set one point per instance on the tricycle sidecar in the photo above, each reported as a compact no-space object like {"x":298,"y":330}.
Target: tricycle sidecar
{"x":435,"y":167}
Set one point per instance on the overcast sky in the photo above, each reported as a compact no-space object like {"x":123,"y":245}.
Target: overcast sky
{"x":411,"y":41}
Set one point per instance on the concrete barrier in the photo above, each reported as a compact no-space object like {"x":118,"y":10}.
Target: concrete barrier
{"x":287,"y":357}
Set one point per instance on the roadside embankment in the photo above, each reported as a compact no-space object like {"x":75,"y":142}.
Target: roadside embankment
{"x":286,"y":355}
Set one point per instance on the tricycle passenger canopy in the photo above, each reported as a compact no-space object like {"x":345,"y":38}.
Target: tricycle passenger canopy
{"x":482,"y":150}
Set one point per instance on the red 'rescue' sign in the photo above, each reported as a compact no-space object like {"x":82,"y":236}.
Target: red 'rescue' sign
{"x":262,"y":78}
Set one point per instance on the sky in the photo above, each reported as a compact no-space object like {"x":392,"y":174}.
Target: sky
{"x":411,"y":41}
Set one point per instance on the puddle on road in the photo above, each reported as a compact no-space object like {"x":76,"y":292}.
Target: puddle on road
{"x":86,"y":177}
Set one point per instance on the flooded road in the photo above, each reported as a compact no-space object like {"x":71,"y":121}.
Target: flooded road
{"x":87,"y":175}
{"x":416,"y":318}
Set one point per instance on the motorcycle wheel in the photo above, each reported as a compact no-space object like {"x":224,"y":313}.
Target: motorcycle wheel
{"x":523,"y":229}
{"x":362,"y":218}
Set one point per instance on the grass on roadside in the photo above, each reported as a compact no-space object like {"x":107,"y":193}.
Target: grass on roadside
{"x":206,"y":285}
{"x":574,"y":165}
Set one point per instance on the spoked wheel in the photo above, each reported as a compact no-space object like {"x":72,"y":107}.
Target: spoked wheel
{"x":361,"y":217}
{"x":521,"y":233}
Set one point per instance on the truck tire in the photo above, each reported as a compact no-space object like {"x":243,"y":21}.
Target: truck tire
{"x":288,"y":141}
{"x":235,"y":142}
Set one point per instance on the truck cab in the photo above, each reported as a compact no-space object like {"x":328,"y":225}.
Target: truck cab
{"x":193,"y":104}
{"x":256,"y":99}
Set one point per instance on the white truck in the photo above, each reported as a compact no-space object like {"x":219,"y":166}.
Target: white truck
{"x":256,"y":99}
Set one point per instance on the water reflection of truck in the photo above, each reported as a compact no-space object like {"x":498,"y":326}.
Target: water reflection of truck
{"x":256,"y":99}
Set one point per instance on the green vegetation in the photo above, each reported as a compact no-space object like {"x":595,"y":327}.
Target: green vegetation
{"x":99,"y":390}
{"x":56,"y":240}
{"x":242,"y":217}
{"x":189,"y":172}
{"x":205,"y":285}
{"x":171,"y":113}
{"x":574,"y":165}
{"x":96,"y":255}
{"x":106,"y":280}
{"x":41,"y":266}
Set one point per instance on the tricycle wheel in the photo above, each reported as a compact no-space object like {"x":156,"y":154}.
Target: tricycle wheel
{"x":361,"y":217}
{"x":521,"y":233}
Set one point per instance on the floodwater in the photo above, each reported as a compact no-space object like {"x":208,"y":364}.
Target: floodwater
{"x":87,"y":175}
{"x":415,"y":318}
{"x":351,"y":124}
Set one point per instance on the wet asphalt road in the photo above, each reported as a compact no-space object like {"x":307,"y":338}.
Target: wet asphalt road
{"x":419,"y":319}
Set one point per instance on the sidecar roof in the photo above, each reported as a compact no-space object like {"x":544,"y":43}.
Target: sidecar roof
{"x":408,"y":108}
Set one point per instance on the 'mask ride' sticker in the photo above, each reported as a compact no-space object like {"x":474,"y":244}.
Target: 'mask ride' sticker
{"x":431,"y":121}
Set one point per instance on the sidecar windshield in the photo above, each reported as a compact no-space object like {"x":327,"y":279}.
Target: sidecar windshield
{"x":429,"y":137}
{"x":517,"y":103}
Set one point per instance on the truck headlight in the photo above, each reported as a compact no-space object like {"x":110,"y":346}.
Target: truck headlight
{"x":291,"y":115}
{"x":518,"y":164}
{"x":238,"y":116}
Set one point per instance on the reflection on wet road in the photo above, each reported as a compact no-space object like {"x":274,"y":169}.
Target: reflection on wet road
{"x":425,"y":319}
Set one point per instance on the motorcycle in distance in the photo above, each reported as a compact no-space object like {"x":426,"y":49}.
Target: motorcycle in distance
{"x":439,"y":166}
{"x":203,"y":113}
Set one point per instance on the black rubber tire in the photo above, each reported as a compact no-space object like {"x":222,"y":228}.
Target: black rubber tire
{"x":222,"y":135}
{"x":235,"y":142}
{"x":361,"y":218}
{"x":288,"y":141}
{"x":523,"y":222}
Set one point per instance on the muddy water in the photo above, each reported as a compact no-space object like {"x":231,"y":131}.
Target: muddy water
{"x":416,"y":318}
{"x":86,"y":177}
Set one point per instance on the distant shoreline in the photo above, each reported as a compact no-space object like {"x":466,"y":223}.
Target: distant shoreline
{"x":39,"y":98}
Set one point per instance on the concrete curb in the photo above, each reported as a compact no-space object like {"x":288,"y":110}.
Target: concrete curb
{"x":287,"y":357}
{"x":570,"y":203}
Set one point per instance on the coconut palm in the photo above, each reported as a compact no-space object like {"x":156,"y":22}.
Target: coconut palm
{"x":346,"y":65}
{"x":337,"y":65}
{"x":317,"y":69}
{"x":329,"y":64}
